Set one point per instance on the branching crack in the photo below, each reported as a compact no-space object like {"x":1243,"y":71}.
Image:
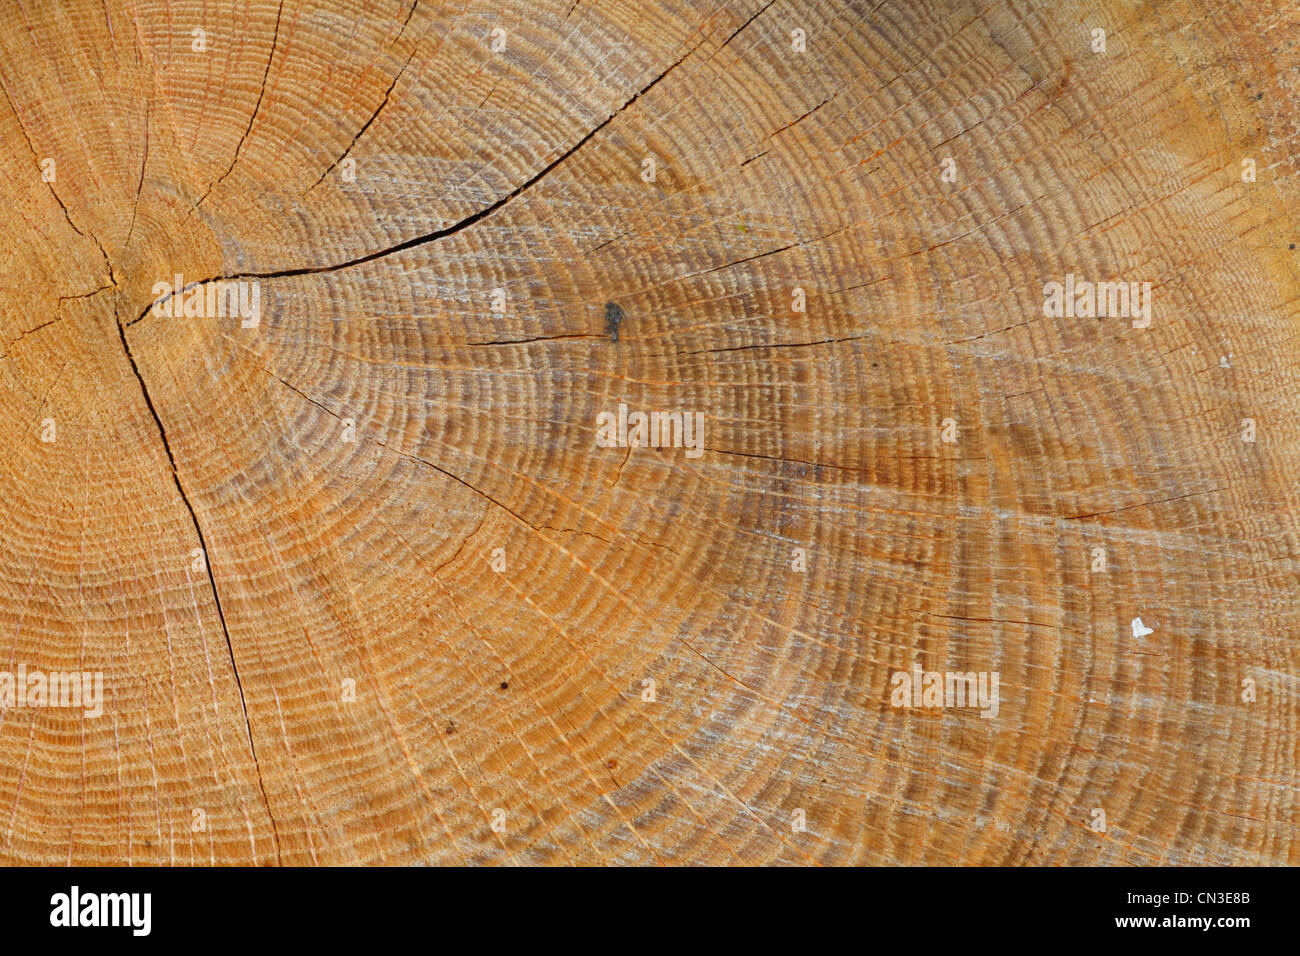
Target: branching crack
{"x":275,"y":41}
{"x":53,"y":192}
{"x":736,"y":33}
{"x":113,"y":283}
{"x":447,"y":231}
{"x":373,"y":116}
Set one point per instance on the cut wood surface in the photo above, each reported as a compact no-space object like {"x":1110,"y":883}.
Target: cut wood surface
{"x":373,"y":567}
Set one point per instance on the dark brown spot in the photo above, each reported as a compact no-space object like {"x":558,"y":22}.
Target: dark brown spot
{"x":613,"y":319}
{"x":505,"y":684}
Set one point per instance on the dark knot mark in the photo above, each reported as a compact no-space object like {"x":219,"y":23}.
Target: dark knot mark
{"x":613,"y":319}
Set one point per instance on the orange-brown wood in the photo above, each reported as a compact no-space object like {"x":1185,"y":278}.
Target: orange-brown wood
{"x":362,"y":578}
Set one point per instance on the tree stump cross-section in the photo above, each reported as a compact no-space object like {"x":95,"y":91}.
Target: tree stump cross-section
{"x":747,"y":432}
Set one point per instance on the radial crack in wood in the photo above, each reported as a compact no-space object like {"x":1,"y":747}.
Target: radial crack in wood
{"x":739,"y":432}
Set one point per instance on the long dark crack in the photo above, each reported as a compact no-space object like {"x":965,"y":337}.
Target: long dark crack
{"x":212,"y":581}
{"x":275,"y":41}
{"x":403,"y":246}
{"x":437,"y":234}
{"x":144,"y":164}
{"x":757,"y":13}
{"x":412,"y":243}
{"x":539,"y":338}
{"x":198,"y":530}
{"x":374,"y":115}
{"x":366,"y":125}
{"x":53,"y":192}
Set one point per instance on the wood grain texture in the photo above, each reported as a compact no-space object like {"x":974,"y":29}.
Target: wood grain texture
{"x":378,"y":170}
